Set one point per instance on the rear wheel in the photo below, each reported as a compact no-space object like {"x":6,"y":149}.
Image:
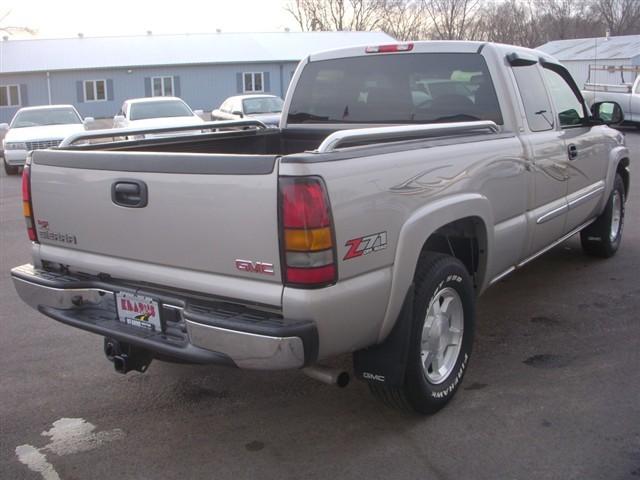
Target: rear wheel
{"x":10,"y":169}
{"x":441,"y":336}
{"x":602,"y":238}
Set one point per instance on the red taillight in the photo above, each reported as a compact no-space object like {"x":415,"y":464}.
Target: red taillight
{"x":27,"y":209}
{"x":394,"y":47}
{"x":308,"y":257}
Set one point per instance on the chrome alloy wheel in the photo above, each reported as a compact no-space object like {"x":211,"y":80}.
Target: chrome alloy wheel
{"x":616,"y":216}
{"x":442,"y":335}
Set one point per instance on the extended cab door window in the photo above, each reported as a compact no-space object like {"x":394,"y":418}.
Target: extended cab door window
{"x":571,"y":111}
{"x":586,"y":145}
{"x":537,"y":105}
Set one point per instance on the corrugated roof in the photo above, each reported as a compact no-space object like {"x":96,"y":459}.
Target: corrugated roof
{"x":627,"y":46}
{"x":187,"y":49}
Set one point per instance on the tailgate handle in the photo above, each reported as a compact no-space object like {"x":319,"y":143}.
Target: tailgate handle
{"x":129,"y":193}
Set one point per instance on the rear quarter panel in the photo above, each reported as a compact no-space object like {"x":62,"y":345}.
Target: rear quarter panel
{"x":406,"y":195}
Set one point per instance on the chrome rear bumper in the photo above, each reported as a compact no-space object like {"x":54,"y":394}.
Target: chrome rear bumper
{"x":193,"y":332}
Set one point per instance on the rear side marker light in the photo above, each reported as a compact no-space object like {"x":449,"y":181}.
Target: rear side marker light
{"x":27,"y":209}
{"x":309,"y":257}
{"x":395,"y":47}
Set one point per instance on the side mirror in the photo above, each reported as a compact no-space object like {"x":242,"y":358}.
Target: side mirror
{"x":118,"y":119}
{"x":4,"y":126}
{"x":199,"y":112}
{"x":608,"y":113}
{"x":88,"y":120}
{"x":238,"y":113}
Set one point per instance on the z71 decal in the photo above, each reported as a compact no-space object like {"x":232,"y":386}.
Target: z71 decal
{"x":366,"y":245}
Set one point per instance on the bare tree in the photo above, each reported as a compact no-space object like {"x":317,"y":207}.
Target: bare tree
{"x":338,"y":14}
{"x":12,"y":29}
{"x":512,"y":22}
{"x":453,"y":19}
{"x":405,"y":20}
{"x":563,"y":19}
{"x":620,"y":17}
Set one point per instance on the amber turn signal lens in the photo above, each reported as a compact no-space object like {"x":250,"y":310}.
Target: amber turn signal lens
{"x":308,"y":240}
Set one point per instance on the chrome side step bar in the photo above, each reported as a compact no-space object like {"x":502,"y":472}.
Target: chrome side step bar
{"x":513,"y":268}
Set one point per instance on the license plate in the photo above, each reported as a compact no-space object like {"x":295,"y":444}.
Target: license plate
{"x":138,"y":311}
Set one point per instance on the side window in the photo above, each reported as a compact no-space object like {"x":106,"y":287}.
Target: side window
{"x":253,"y":81}
{"x":162,"y":86}
{"x":95,"y":90}
{"x":570,"y":110}
{"x":534,"y":96}
{"x":10,"y":96}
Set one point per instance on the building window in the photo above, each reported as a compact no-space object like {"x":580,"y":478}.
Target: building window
{"x":95,"y":90}
{"x":253,"y":82}
{"x":10,"y":96}
{"x":162,"y":86}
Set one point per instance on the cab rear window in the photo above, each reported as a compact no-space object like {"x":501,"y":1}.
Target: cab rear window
{"x":396,"y":88}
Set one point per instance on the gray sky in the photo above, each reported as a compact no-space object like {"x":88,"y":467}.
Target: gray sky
{"x":66,"y":18}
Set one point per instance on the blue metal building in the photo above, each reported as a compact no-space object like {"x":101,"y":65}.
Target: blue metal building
{"x":98,"y":74}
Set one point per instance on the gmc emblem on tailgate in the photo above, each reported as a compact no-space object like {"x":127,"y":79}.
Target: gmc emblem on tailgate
{"x":254,"y":267}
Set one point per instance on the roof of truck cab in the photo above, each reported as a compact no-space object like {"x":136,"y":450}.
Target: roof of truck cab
{"x":32,"y":55}
{"x":433,"y":46}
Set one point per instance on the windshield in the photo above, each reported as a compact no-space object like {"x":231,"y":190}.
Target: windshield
{"x":160,"y":109}
{"x":262,"y":105}
{"x":54,"y":116}
{"x":408,"y":88}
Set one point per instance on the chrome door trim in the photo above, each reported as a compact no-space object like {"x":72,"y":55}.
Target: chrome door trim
{"x":596,"y":188}
{"x":556,"y":212}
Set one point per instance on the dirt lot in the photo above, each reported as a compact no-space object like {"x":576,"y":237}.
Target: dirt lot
{"x":552,"y":392}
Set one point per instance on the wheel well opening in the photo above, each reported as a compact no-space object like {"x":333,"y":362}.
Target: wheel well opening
{"x":624,"y":173}
{"x":465,"y":239}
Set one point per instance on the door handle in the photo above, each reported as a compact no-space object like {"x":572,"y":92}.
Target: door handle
{"x":573,"y":152}
{"x":129,"y":193}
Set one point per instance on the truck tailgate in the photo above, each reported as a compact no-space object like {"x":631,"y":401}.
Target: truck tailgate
{"x":204,"y":214}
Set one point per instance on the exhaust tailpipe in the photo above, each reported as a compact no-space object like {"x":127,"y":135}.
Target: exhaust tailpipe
{"x":329,"y":376}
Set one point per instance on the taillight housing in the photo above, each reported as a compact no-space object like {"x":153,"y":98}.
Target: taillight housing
{"x":306,"y":233}
{"x":27,"y":208}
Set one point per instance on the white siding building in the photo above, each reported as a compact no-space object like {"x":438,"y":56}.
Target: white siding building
{"x":578,"y":54}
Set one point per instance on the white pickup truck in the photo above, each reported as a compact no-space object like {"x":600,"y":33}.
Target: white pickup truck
{"x":404,"y":180}
{"x":627,"y":95}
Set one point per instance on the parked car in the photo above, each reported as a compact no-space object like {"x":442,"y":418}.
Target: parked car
{"x":34,"y":128}
{"x":156,"y":112}
{"x":367,"y":224}
{"x":627,"y":95}
{"x":266,"y":108}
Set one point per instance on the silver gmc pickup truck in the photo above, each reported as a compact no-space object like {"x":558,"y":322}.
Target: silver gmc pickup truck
{"x":404,"y":180}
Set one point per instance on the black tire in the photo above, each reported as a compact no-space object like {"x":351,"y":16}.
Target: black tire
{"x":596,"y":239}
{"x":10,"y":169}
{"x":435,"y":272}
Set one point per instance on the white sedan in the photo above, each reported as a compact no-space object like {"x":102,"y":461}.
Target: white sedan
{"x":33,"y":128}
{"x":156,"y":112}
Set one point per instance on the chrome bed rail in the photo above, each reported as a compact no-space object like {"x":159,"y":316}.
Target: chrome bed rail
{"x":123,"y":132}
{"x":402,"y":132}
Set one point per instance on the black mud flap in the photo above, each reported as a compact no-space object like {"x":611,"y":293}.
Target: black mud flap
{"x":386,"y":363}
